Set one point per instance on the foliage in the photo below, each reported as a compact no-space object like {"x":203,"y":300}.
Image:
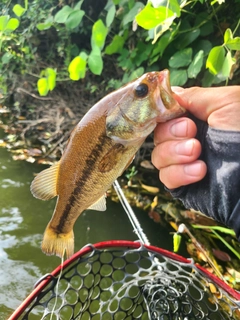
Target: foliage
{"x":131,"y":172}
{"x":197,"y":40}
{"x":223,"y":230}
{"x":176,"y":241}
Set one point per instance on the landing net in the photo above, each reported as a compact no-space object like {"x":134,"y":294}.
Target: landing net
{"x":128,"y":280}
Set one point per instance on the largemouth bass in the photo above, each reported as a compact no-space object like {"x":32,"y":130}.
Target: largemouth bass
{"x":99,"y":149}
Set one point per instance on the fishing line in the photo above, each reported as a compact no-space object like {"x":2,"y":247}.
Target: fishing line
{"x":57,"y":285}
{"x":131,"y":215}
{"x":139,"y":231}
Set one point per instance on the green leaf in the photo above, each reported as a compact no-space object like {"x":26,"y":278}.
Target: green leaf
{"x":172,"y":5}
{"x":162,"y":27}
{"x":228,"y":35}
{"x":84,"y":56}
{"x":227,"y":65}
{"x":218,"y":78}
{"x":187,"y":38}
{"x":110,"y":15}
{"x":181,"y":58}
{"x":151,"y":17}
{"x":136,"y":73}
{"x":207,"y":28}
{"x":99,"y":33}
{"x":77,"y":67}
{"x":204,"y":45}
{"x":78,"y":5}
{"x":62,"y":15}
{"x":234,"y":44}
{"x":51,"y":78}
{"x":176,"y":241}
{"x":215,"y":59}
{"x":175,"y":7}
{"x":6,"y":57}
{"x":18,"y":10}
{"x":3,"y":22}
{"x":142,"y":54}
{"x":207,"y":79}
{"x":164,"y":41}
{"x":130,"y":16}
{"x":42,"y":86}
{"x":95,"y":62}
{"x":227,"y":244}
{"x":115,"y":46}
{"x":44,"y":26}
{"x":196,"y":65}
{"x":12,"y":24}
{"x":74,"y":19}
{"x":218,"y":228}
{"x":178,"y":77}
{"x":206,"y":25}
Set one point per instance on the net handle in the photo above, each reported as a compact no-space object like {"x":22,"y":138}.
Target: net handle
{"x":113,"y":244}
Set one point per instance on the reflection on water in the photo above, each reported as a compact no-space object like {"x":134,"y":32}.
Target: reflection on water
{"x":22,"y":223}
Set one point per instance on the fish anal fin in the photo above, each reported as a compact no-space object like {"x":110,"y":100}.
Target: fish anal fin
{"x":111,"y":158}
{"x":58,"y":244}
{"x":44,"y":185}
{"x":100,"y":205}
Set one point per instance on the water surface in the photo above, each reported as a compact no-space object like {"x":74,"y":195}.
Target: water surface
{"x":22,"y":223}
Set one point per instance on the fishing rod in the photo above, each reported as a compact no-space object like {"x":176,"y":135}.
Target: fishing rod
{"x":131,"y":215}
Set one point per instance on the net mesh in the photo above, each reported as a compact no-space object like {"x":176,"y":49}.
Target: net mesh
{"x":131,"y":283}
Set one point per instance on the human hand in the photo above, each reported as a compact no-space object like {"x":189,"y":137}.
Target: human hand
{"x":176,"y":150}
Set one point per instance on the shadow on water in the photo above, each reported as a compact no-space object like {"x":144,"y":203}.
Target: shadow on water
{"x":22,"y":223}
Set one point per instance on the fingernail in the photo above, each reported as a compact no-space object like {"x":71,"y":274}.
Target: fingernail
{"x":193,"y":169}
{"x":185,"y":147}
{"x":179,"y":129}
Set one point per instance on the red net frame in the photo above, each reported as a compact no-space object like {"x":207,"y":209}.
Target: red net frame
{"x":230,"y":293}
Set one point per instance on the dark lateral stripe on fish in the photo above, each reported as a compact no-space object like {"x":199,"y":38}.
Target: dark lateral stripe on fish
{"x":90,"y":163}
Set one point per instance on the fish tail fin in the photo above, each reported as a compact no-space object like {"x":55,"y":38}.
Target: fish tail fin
{"x":58,"y":243}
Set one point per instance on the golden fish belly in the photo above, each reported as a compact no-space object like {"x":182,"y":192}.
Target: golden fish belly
{"x":82,"y":180}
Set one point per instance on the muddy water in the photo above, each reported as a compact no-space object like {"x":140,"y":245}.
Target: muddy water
{"x":22,"y":223}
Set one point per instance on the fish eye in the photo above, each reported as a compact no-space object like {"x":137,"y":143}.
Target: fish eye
{"x":141,"y":90}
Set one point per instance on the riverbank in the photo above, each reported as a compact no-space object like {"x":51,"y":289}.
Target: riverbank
{"x":37,"y":130}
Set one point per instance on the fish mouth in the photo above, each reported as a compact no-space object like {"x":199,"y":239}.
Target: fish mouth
{"x":168,"y":108}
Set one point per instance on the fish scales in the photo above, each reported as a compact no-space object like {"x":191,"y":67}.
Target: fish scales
{"x":88,"y":179}
{"x":100,"y":148}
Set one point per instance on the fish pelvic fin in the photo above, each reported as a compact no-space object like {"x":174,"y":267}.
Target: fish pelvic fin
{"x":99,"y":205}
{"x":44,"y":186}
{"x":58,"y":244}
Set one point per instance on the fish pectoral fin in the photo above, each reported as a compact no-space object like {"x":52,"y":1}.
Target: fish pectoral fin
{"x":100,"y":205}
{"x":111,"y":158}
{"x":44,"y":186}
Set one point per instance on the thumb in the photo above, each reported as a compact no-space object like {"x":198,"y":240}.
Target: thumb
{"x":196,"y":100}
{"x":214,"y":105}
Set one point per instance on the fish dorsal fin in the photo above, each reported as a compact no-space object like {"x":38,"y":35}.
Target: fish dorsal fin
{"x":100,"y":205}
{"x":44,"y":186}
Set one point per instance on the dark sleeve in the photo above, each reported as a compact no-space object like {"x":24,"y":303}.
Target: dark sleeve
{"x":218,"y":194}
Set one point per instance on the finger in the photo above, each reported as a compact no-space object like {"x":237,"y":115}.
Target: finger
{"x":176,"y":152}
{"x":176,"y":176}
{"x":181,"y":128}
{"x":202,"y":102}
